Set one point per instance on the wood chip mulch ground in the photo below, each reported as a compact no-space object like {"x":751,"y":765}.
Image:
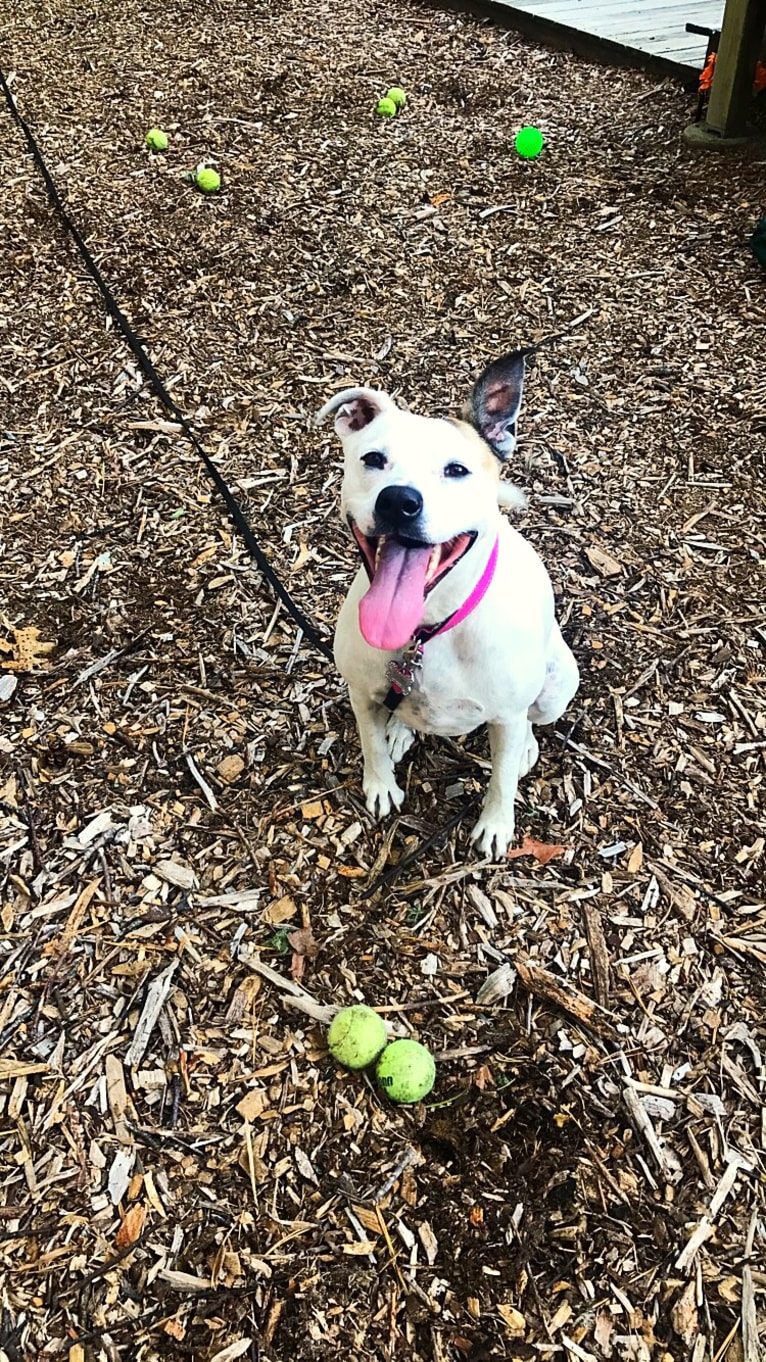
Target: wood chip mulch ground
{"x":188,"y":872}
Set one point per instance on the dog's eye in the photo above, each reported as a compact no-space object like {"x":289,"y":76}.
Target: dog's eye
{"x":374,"y":459}
{"x":456,"y":470}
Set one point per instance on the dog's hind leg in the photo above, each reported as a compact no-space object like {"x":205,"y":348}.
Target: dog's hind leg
{"x":399,"y":738}
{"x":381,"y":791}
{"x":561,"y":681}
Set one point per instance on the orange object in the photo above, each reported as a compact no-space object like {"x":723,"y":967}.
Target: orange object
{"x":706,"y":76}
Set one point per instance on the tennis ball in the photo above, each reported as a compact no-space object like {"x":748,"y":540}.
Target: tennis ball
{"x":157,"y":140}
{"x":386,"y":107}
{"x":209,"y":181}
{"x":356,"y":1036}
{"x":529,"y":142}
{"x":406,"y":1071}
{"x":397,"y":96}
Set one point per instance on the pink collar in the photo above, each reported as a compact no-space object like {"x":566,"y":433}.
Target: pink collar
{"x":429,"y":631}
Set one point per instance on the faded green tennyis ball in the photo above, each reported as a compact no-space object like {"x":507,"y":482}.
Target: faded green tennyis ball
{"x":387,"y":108}
{"x":209,"y":181}
{"x":157,"y":140}
{"x":397,"y":96}
{"x":406,"y":1071}
{"x":356,"y":1036}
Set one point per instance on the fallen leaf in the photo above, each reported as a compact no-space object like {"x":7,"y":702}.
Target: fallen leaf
{"x":131,"y":1227}
{"x":304,"y":948}
{"x":542,"y":851}
{"x":303,"y":942}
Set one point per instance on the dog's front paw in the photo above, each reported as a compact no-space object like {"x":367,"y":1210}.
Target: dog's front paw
{"x":493,"y":833}
{"x":399,"y":738}
{"x":381,"y":794}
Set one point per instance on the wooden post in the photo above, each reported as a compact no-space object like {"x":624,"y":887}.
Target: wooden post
{"x":731,"y":93}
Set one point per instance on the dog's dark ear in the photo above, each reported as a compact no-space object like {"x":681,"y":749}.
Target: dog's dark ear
{"x":495,"y":401}
{"x":355,"y":408}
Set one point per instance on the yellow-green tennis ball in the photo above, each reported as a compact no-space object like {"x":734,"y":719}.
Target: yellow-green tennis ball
{"x":529,"y":142}
{"x":397,"y":96}
{"x":386,"y":107}
{"x":406,"y":1071}
{"x":209,"y":181}
{"x":356,"y":1036}
{"x":157,"y":140}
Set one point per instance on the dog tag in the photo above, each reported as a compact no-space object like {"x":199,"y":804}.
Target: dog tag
{"x":402,"y":672}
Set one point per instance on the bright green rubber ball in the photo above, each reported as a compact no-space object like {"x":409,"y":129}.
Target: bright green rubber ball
{"x":529,"y":142}
{"x":209,"y":181}
{"x":356,"y":1036}
{"x":397,"y":96}
{"x":406,"y":1071}
{"x":157,"y":140}
{"x":386,"y":107}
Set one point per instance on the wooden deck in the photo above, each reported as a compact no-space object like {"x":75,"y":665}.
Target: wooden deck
{"x":642,"y":32}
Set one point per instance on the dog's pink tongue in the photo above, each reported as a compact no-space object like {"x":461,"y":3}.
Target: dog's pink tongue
{"x":392,"y":609}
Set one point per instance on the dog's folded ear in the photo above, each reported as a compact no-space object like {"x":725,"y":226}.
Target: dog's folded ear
{"x":493,"y":407}
{"x":354,"y":409}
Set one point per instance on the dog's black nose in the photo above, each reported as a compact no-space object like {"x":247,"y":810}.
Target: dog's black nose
{"x":399,"y":507}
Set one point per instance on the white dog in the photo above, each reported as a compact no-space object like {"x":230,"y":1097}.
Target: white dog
{"x":450,"y":621}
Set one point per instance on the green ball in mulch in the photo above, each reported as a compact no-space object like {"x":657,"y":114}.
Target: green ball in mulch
{"x":529,"y":143}
{"x":157,"y":140}
{"x":356,"y":1036}
{"x":406,"y":1071}
{"x":209,"y":181}
{"x":397,"y":96}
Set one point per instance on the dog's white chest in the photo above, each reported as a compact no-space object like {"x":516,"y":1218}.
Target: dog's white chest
{"x":447,"y":715}
{"x":445,"y":698}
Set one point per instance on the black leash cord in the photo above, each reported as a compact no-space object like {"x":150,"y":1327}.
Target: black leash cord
{"x":153,"y":378}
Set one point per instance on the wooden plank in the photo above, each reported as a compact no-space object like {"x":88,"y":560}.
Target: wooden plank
{"x":570,"y":11}
{"x":656,"y":28}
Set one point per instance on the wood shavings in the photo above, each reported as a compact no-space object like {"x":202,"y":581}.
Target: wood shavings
{"x":156,"y":996}
{"x":185,"y":761}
